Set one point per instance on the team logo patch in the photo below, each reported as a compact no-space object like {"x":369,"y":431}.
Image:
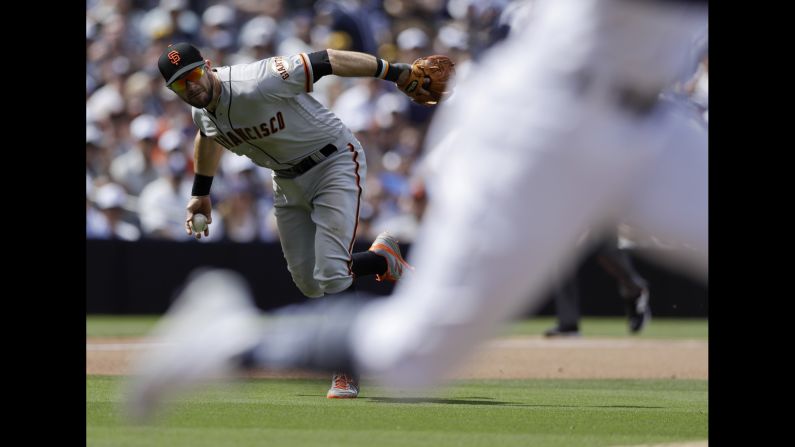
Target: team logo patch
{"x":282,"y":66}
{"x":173,"y":56}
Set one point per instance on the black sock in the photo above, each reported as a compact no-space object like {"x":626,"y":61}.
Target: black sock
{"x":368,"y":263}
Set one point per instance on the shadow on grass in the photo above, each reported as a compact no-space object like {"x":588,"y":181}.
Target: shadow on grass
{"x":432,"y":400}
{"x":426,"y":400}
{"x":471,"y":401}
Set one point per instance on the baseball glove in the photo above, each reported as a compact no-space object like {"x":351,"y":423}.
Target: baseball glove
{"x":433,"y":74}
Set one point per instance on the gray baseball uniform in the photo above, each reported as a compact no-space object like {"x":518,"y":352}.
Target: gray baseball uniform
{"x":319,"y":167}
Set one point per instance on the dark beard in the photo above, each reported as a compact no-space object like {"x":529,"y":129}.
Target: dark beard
{"x":207,"y":103}
{"x":200,"y":105}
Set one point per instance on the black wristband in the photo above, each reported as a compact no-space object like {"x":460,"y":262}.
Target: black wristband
{"x":394,"y":70}
{"x":201,"y":185}
{"x":379,"y":68}
{"x":321,"y":65}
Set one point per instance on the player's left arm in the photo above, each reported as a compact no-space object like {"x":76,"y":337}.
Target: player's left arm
{"x":285,"y":76}
{"x":355,"y":64}
{"x":424,"y":81}
{"x":427,"y":80}
{"x":352,"y":64}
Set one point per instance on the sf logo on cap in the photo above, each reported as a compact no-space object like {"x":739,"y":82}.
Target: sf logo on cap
{"x":173,"y":56}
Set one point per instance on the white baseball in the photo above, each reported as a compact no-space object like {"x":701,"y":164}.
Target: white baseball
{"x":199,"y":223}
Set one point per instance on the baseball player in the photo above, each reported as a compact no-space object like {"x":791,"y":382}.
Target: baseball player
{"x":632,"y":287}
{"x":263,"y":111}
{"x":559,"y":131}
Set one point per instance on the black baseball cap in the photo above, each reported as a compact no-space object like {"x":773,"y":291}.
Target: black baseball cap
{"x":177,"y":60}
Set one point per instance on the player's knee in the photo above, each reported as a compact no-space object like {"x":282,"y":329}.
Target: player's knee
{"x":310,"y":290}
{"x":333,"y":275}
{"x":307,"y":285}
{"x":336,"y":285}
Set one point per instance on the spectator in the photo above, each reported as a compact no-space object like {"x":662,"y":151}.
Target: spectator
{"x":111,"y":199}
{"x":134,"y":168}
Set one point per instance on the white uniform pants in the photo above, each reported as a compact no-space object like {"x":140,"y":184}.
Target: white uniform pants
{"x":317,"y":214}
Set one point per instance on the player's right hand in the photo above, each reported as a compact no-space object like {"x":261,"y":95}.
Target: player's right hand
{"x":198,"y":205}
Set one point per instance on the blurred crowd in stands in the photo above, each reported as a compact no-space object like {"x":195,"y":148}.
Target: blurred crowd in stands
{"x":139,"y":135}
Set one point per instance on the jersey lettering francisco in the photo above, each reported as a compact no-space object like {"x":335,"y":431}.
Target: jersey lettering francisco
{"x":266,"y":113}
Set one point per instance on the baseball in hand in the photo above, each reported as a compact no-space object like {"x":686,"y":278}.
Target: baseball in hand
{"x":199,"y":223}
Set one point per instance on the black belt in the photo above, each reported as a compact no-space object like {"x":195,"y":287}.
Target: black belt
{"x":309,"y":162}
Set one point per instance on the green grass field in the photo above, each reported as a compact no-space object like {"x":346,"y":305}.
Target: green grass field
{"x":471,"y":413}
{"x":122,"y":326}
{"x":488,"y":413}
